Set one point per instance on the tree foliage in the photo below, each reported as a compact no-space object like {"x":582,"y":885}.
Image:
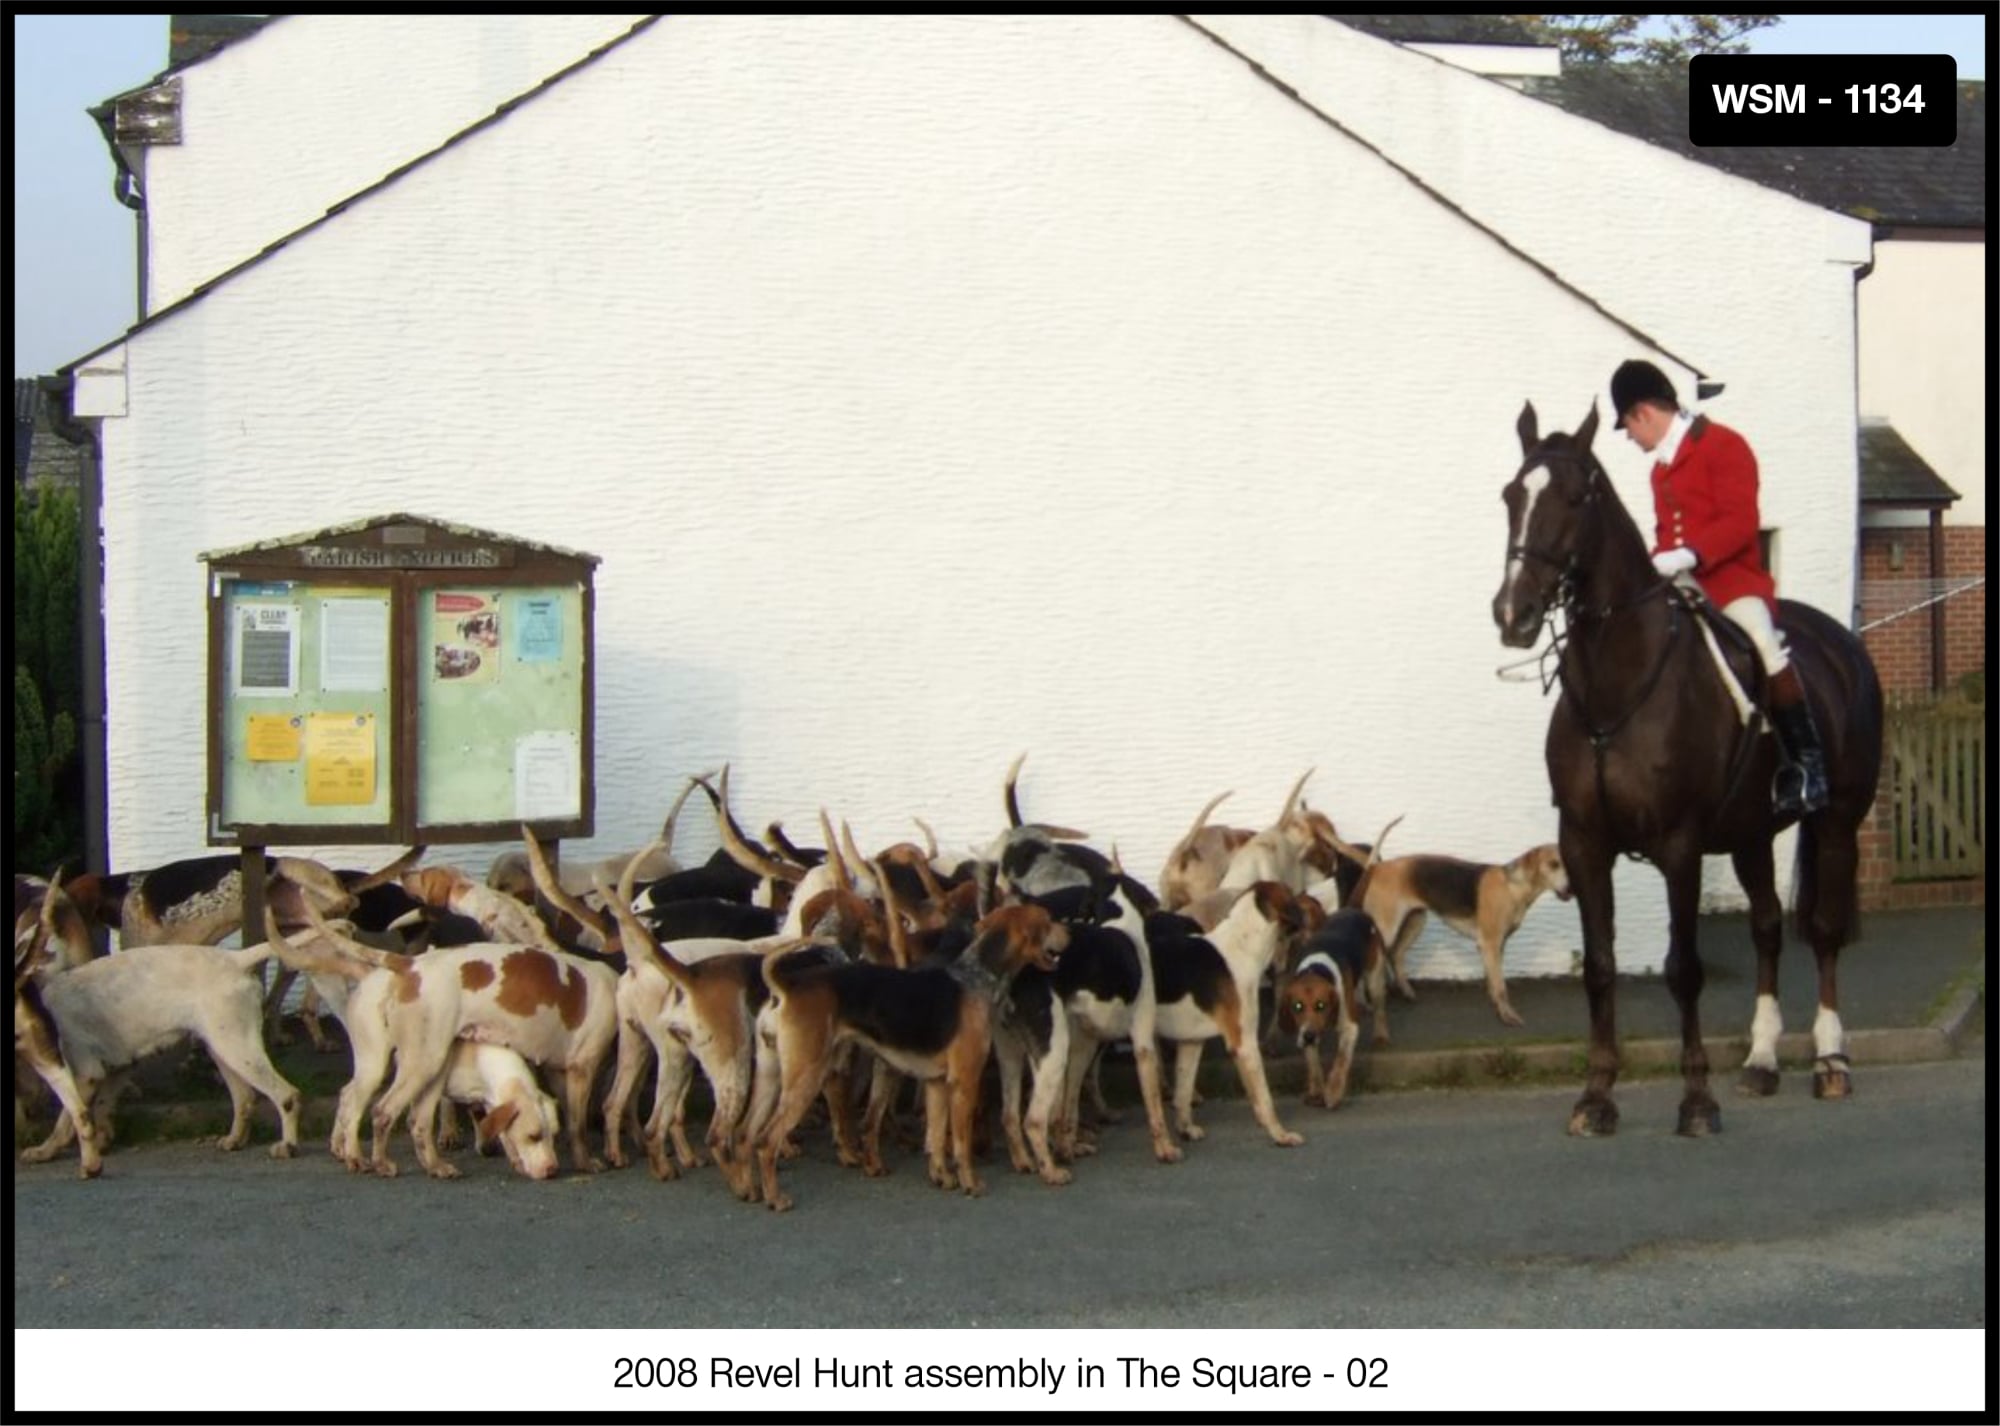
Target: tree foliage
{"x":48,"y":681}
{"x":1644,"y":39}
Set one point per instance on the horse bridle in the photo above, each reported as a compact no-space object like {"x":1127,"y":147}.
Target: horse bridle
{"x":1566,"y":568}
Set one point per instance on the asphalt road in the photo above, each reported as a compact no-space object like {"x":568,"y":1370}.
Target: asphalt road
{"x":1403,"y":1210}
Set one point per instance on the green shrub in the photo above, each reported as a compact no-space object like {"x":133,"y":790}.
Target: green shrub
{"x":48,"y":682}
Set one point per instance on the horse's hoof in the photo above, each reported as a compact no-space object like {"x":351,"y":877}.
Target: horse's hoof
{"x":1593,"y":1119}
{"x":1758,"y":1081}
{"x":1831,"y":1079}
{"x":1699,"y":1118}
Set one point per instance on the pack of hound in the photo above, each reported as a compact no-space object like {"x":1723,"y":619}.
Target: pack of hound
{"x":805,"y":984}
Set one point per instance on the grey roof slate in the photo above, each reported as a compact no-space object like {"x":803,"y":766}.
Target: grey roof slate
{"x":193,"y":37}
{"x":1889,"y":187}
{"x":1894,"y":474}
{"x":1442,"y":29}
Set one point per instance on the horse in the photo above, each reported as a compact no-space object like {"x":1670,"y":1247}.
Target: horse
{"x":1648,"y":757}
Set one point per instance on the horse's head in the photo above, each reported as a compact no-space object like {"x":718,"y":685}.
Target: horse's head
{"x":1551,"y":525}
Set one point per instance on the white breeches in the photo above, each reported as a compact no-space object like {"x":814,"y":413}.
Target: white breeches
{"x":1753,"y":617}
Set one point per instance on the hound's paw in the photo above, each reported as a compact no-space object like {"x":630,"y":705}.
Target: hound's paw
{"x":444,"y":1170}
{"x":89,"y":1170}
{"x":1314,"y":1098}
{"x":782,"y":1203}
{"x":1193,"y":1133}
{"x":1056,"y":1177}
{"x":284,"y":1151}
{"x":1508,"y":1014}
{"x":384,"y":1169}
{"x":40,"y":1154}
{"x":1168,"y":1153}
{"x":1287,"y":1139}
{"x":975,"y":1189}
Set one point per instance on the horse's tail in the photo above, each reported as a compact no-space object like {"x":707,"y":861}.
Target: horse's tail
{"x":1823,"y":906}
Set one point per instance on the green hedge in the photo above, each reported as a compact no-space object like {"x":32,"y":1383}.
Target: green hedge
{"x":48,"y":681}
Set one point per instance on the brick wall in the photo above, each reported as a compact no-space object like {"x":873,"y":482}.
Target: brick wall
{"x":1902,"y":653}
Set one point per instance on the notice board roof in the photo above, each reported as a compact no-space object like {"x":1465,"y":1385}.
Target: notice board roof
{"x":401,"y":540}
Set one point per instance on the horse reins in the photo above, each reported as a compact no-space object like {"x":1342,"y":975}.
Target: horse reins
{"x":1565,"y":597}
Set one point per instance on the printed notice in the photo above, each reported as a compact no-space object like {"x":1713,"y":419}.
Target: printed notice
{"x":267,"y":650}
{"x":538,"y":632}
{"x":274,"y":738}
{"x":354,"y":645}
{"x":546,"y":777}
{"x":340,"y":759}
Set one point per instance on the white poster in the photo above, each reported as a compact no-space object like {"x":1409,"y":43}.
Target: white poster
{"x":354,"y":645}
{"x":547,"y":777}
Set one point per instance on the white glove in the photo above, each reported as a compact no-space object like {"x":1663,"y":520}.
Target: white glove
{"x":1671,"y":562}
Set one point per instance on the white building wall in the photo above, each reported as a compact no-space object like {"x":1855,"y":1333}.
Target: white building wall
{"x":1923,"y":313}
{"x":932,"y":392}
{"x":313,"y":108}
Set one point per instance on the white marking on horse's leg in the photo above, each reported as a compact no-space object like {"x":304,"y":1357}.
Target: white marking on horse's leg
{"x":1532,"y":485}
{"x":1828,"y":1037}
{"x":1765,"y":1027}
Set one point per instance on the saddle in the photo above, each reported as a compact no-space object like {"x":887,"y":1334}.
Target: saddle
{"x":1734,"y":656}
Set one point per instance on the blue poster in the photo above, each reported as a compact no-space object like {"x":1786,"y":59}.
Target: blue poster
{"x":539,"y":630}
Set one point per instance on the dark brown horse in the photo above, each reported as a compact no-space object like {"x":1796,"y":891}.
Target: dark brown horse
{"x":1648,"y":757}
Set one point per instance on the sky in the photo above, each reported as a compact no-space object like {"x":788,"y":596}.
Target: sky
{"x":74,"y":283}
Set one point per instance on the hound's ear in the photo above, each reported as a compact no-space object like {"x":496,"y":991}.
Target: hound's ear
{"x":1527,"y":428}
{"x":495,"y":1124}
{"x":1588,"y":430}
{"x":1285,"y":1021}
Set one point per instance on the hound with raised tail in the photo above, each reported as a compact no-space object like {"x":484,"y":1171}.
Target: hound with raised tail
{"x":1207,"y":986}
{"x":934,"y":1023}
{"x":1482,"y":902}
{"x":553,"y":1008}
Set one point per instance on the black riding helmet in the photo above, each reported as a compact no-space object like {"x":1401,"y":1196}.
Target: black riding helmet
{"x":1637,"y":381}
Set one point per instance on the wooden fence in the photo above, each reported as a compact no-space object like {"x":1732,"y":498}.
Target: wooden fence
{"x":1937,"y":769}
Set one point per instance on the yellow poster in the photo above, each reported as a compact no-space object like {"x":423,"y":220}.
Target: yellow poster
{"x":274,"y":737}
{"x":340,"y":759}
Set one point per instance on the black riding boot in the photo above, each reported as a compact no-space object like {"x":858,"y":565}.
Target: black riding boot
{"x":1800,"y":786}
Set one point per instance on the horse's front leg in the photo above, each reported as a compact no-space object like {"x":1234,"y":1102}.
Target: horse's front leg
{"x":1699,"y":1113}
{"x":1767,"y":933}
{"x":1590,"y":878}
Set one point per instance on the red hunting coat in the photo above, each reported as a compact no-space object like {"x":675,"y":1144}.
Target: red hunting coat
{"x":1707,"y":501}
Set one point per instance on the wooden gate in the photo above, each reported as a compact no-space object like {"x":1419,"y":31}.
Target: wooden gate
{"x":1937,"y":760}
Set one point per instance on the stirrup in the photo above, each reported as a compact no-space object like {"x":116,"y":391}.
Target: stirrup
{"x":1793,"y":793}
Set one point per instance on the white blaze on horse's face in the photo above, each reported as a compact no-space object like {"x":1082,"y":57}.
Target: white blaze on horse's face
{"x":1507,"y":612}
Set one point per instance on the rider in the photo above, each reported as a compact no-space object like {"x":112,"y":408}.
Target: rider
{"x":1706,"y":525}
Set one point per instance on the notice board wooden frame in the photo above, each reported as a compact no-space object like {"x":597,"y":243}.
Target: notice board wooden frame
{"x":411,"y":558}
